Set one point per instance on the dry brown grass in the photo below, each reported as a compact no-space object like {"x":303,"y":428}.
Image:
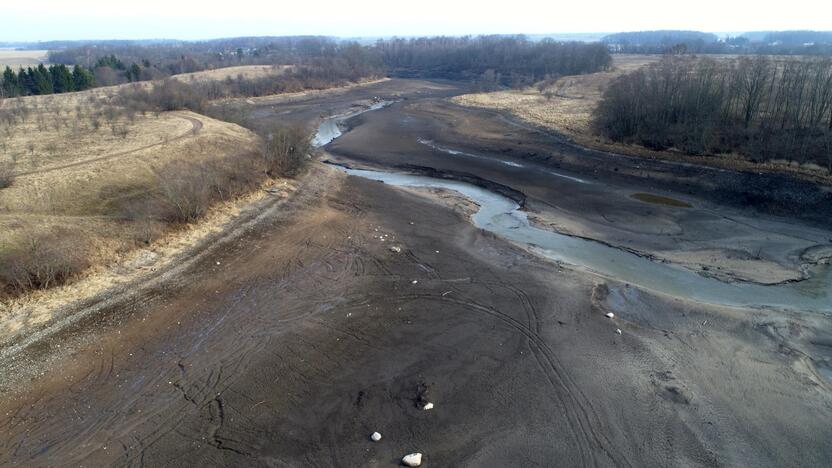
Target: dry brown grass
{"x":246,"y":71}
{"x":67,"y":128}
{"x":22,"y":58}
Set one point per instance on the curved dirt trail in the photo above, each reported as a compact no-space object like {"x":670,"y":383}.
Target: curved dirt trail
{"x":196,"y":126}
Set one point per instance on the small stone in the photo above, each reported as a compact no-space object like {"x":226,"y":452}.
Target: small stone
{"x":618,"y":330}
{"x":610,"y":315}
{"x":414,"y":281}
{"x":428,"y":406}
{"x":396,"y":248}
{"x":414,"y":459}
{"x":375,"y":437}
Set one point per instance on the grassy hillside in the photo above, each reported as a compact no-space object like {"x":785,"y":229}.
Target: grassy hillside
{"x":90,"y":178}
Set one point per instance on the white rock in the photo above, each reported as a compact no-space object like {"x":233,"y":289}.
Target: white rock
{"x":618,"y":330}
{"x":375,"y":437}
{"x":414,"y":459}
{"x":610,"y":315}
{"x":414,"y":281}
{"x":428,"y":406}
{"x":396,"y":249}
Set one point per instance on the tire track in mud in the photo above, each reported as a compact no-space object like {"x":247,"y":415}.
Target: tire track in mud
{"x":581,"y":415}
{"x":196,"y":126}
{"x":331,"y":261}
{"x":191,"y":391}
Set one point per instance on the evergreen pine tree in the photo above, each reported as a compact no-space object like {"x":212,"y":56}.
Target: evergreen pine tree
{"x":43,"y":80}
{"x":27,"y":81}
{"x":82,"y":78}
{"x":61,"y":79}
{"x":11,"y":85}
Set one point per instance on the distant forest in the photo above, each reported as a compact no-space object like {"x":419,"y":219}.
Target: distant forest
{"x":759,"y":107}
{"x":513,"y":60}
{"x":504,"y":60}
{"x":771,"y":43}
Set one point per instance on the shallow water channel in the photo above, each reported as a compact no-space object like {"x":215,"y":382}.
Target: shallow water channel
{"x":330,"y":128}
{"x":502,"y":216}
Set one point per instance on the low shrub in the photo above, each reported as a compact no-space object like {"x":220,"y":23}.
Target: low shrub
{"x":286,"y":150}
{"x":182,"y":192}
{"x":169,"y":95}
{"x":41,"y":260}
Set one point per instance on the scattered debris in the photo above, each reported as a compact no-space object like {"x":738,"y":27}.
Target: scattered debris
{"x":395,"y":248}
{"x":428,"y":406}
{"x":618,"y":330}
{"x":610,"y":315}
{"x":413,"y":459}
{"x":375,"y":437}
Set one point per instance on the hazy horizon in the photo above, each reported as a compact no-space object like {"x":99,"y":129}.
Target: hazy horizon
{"x":189,"y":20}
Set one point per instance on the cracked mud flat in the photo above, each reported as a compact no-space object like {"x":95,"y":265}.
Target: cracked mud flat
{"x":293,"y":343}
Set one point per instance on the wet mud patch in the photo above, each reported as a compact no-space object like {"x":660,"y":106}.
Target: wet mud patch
{"x":660,"y":200}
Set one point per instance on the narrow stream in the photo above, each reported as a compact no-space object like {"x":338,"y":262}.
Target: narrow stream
{"x":503,"y":217}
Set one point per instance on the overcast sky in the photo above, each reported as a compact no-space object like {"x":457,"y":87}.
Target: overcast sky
{"x":203,"y":19}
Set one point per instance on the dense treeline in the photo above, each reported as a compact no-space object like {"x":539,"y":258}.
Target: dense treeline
{"x":759,"y":107}
{"x":508,"y":60}
{"x":658,"y":42}
{"x":772,"y":43}
{"x":45,"y":80}
{"x":122,"y":63}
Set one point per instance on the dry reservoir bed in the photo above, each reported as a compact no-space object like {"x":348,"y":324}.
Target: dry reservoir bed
{"x":307,"y":332}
